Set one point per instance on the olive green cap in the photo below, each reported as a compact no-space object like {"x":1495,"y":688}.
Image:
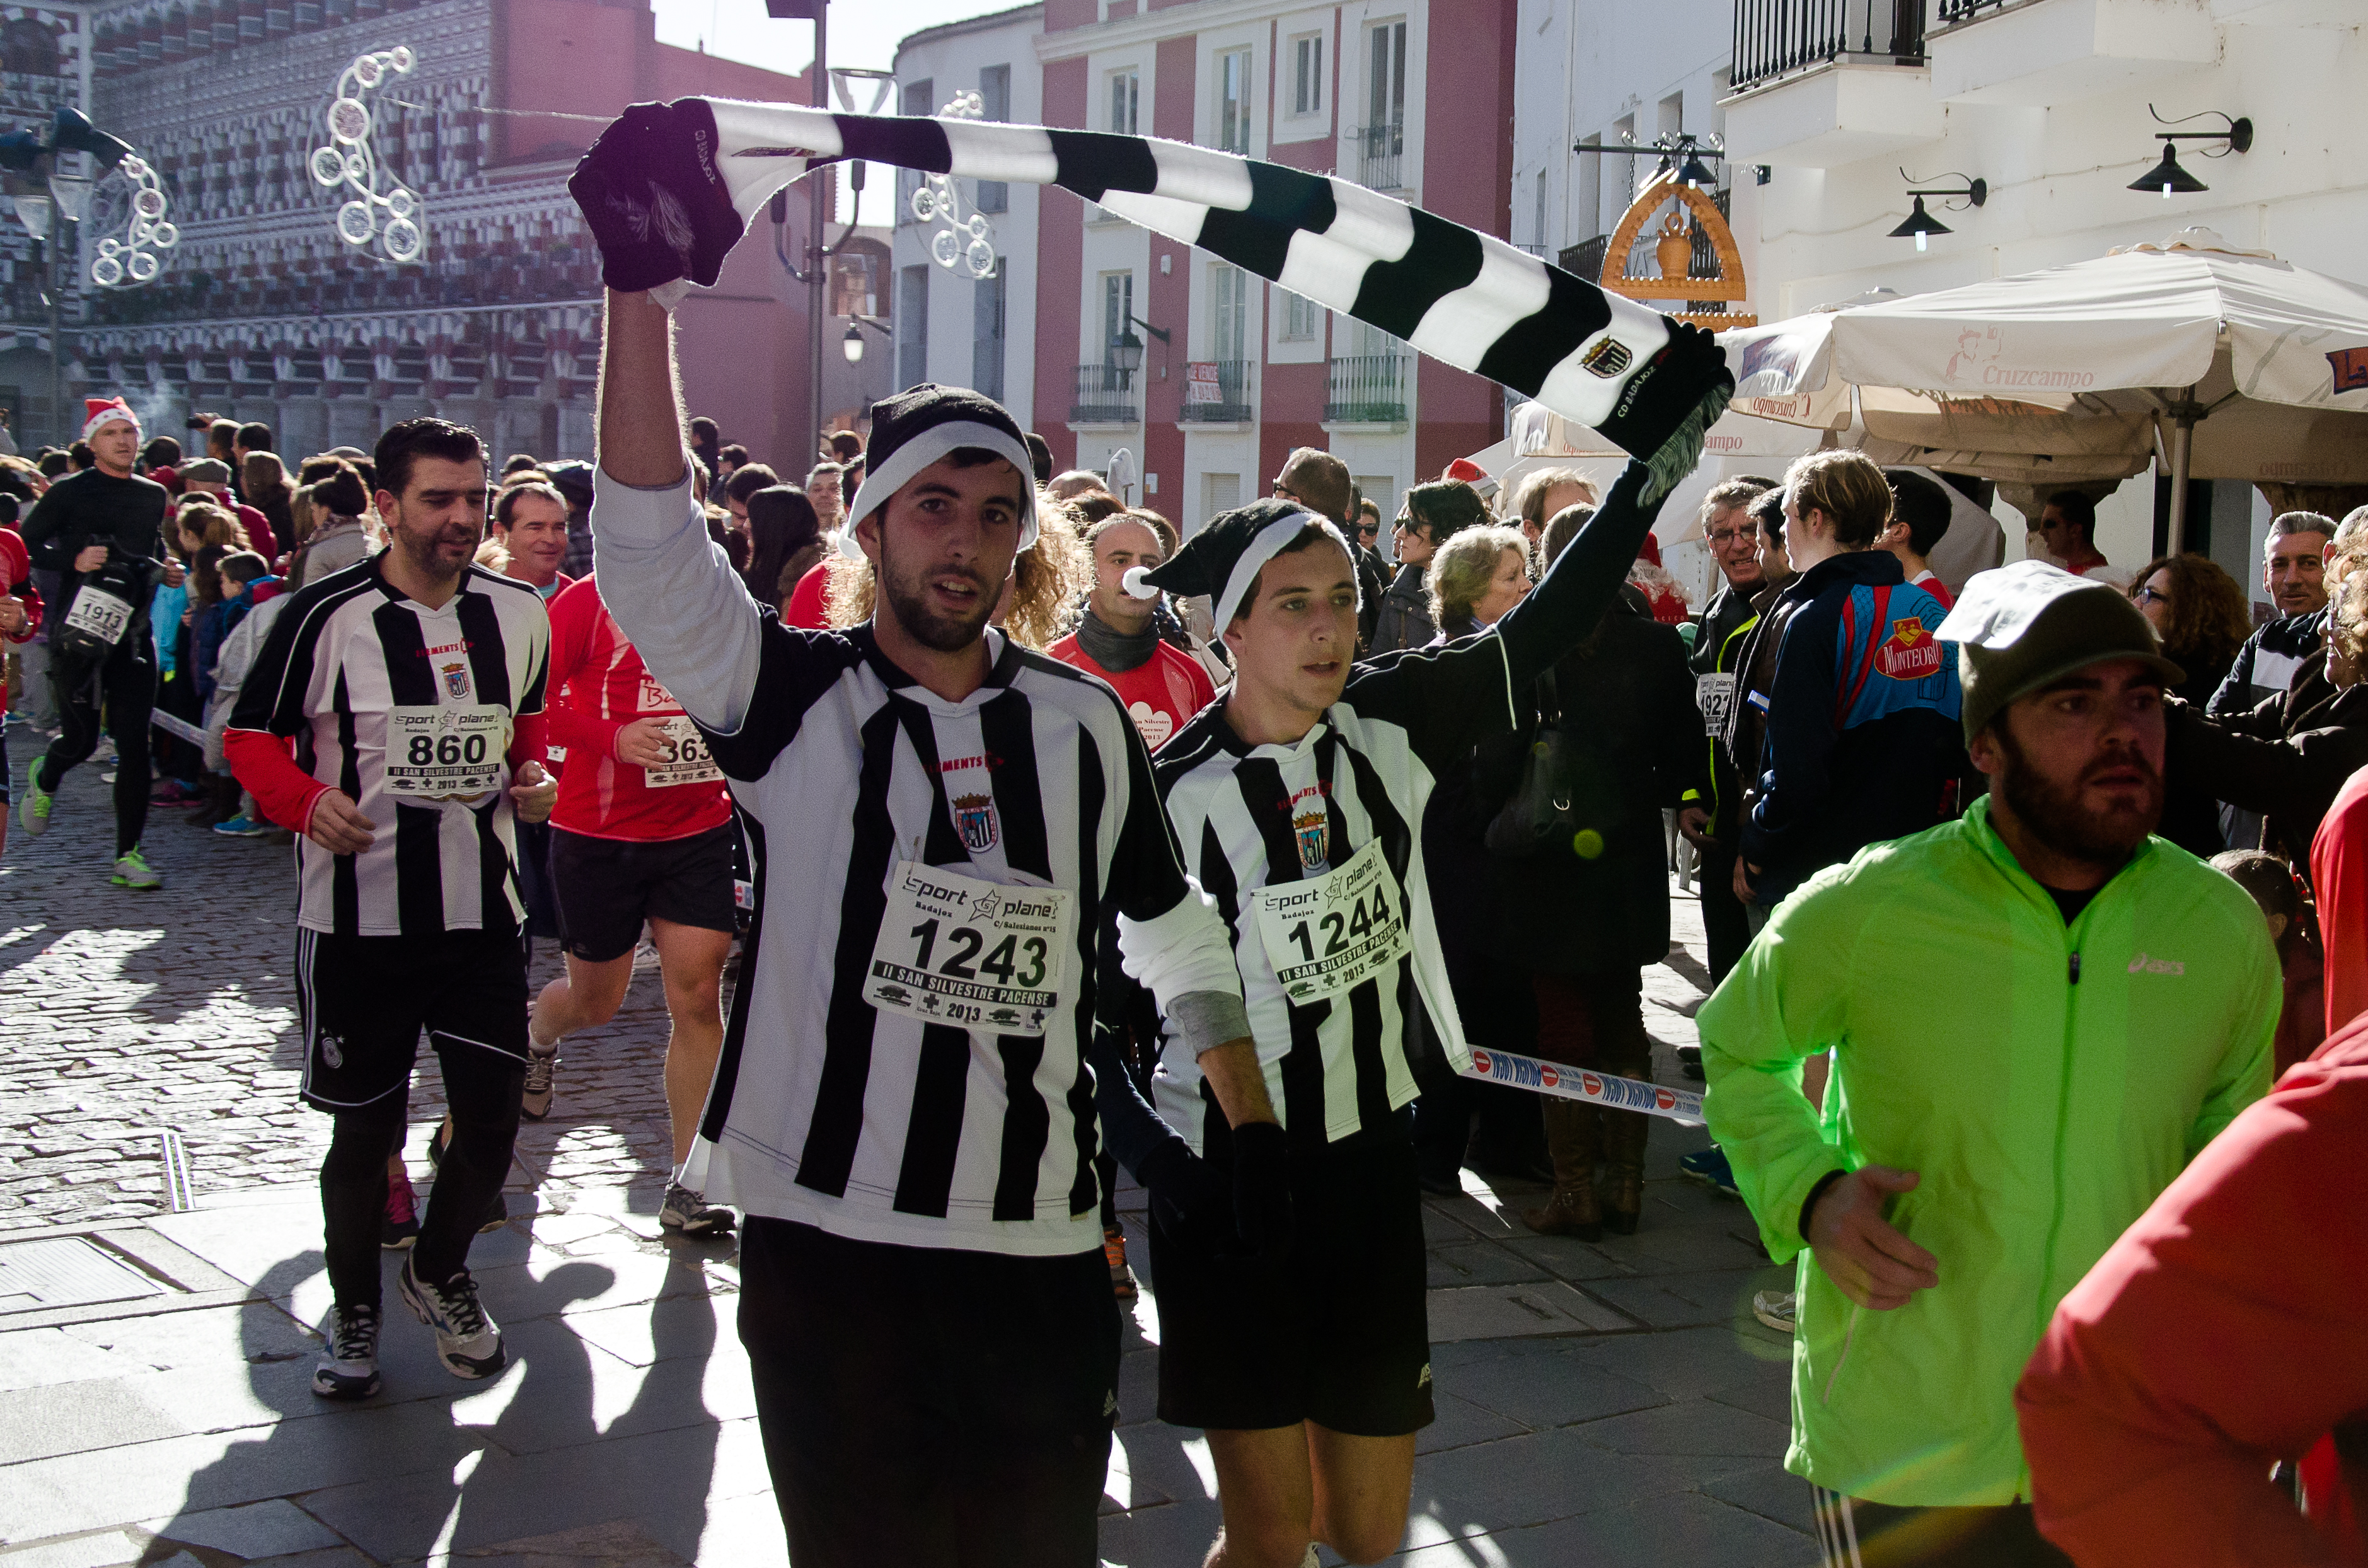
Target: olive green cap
{"x":2021,"y":627}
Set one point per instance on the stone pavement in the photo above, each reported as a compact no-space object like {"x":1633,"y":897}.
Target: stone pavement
{"x":1611,"y":1402}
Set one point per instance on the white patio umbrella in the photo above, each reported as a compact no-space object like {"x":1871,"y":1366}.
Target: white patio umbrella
{"x":2229,"y":364}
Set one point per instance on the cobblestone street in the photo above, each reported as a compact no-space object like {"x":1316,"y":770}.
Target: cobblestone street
{"x":1611,"y":1402}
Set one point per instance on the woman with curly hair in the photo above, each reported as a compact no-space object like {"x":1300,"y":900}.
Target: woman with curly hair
{"x":2198,"y":611}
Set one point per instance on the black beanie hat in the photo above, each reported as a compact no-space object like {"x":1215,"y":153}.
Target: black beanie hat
{"x":1222,"y":559}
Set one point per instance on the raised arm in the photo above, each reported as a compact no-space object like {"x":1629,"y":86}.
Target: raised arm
{"x":1583,"y":581}
{"x":678,"y":599}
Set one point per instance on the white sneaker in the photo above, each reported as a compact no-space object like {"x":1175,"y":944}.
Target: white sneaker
{"x":690,"y":1214}
{"x":1775,"y":1309}
{"x":466,"y":1340}
{"x":348,"y":1368}
{"x":534,"y":1102}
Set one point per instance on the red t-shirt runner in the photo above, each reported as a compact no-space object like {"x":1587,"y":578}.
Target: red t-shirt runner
{"x":1160,"y":693}
{"x":597,"y":687}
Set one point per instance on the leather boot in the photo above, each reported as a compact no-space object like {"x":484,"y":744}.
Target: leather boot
{"x":1624,"y":1132}
{"x":1573,"y":1132}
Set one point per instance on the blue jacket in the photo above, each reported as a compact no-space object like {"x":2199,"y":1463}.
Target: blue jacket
{"x":1865,"y":738}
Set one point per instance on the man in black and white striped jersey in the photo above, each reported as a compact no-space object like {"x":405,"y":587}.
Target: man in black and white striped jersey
{"x":943,"y":827}
{"x":409,"y":688}
{"x":1300,"y":800}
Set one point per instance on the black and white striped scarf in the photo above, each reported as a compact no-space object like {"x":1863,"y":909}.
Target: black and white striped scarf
{"x":663,"y":176}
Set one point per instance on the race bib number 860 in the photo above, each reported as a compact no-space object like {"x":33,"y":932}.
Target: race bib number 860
{"x":440,"y":752}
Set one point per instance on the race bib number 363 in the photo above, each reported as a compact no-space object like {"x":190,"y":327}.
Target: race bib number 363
{"x":978,"y":955}
{"x":687,"y":759}
{"x":1331,"y":933}
{"x":440,"y":752}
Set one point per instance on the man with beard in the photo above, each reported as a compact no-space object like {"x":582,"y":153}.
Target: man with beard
{"x":394,"y":720}
{"x":2038,"y":1014}
{"x":950,"y":838}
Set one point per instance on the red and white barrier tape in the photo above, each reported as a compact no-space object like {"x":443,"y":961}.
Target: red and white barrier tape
{"x":1681,"y":1106}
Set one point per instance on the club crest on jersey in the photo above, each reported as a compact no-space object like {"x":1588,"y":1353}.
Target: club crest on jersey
{"x":456,"y":680}
{"x":1911,"y":653}
{"x":974,"y":820}
{"x":1313,"y":831}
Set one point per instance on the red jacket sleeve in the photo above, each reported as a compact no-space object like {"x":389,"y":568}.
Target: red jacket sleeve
{"x":2220,"y":1333}
{"x":266,"y":768}
{"x":16,"y":580}
{"x":2338,"y":877}
{"x":529,"y":733}
{"x":574,"y":611}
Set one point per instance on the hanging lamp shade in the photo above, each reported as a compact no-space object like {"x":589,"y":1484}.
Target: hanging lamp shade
{"x":2168,"y":176}
{"x":1920,"y":223}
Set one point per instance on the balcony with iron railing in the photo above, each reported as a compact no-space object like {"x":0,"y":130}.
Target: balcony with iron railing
{"x":1105,"y":395}
{"x":1380,"y":155}
{"x":1819,"y":83}
{"x":1367,"y":389}
{"x":1217,"y":393}
{"x":1775,"y":38}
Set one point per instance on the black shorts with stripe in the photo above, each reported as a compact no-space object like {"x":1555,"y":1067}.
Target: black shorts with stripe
{"x":363,"y":1001}
{"x":1852,"y":1533}
{"x":1336,"y":1332}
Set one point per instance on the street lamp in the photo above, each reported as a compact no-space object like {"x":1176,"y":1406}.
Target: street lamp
{"x":2168,"y":176}
{"x":1920,"y":225}
{"x":852,"y":344}
{"x":1126,"y":353}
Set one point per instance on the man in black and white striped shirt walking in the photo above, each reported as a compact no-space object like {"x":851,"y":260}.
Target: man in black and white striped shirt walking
{"x":409,"y":688}
{"x":945,"y":830}
{"x":1300,"y":799}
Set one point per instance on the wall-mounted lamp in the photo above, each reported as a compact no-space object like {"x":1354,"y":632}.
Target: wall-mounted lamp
{"x":1126,"y":354}
{"x":1922,"y":225}
{"x":852,"y":344}
{"x":1682,"y":154}
{"x":2168,"y":176}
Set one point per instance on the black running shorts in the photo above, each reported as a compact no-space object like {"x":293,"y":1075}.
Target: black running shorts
{"x":927,"y":1407}
{"x":363,"y":1002}
{"x":608,"y":886}
{"x":1336,"y":1333}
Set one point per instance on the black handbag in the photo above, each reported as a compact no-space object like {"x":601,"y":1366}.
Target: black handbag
{"x":1540,"y":814}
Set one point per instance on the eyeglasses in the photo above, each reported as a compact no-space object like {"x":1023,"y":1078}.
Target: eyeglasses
{"x":2150,"y":597}
{"x":1728,"y":536}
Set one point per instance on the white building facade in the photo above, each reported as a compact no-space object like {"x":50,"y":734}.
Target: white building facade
{"x":2046,"y":101}
{"x":951,"y":327}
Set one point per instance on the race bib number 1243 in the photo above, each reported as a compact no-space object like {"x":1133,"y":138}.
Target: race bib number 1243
{"x":978,"y":955}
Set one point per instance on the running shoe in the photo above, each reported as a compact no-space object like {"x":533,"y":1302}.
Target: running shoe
{"x":243,"y":826}
{"x":132,"y":871}
{"x":1709,"y":1166}
{"x":1774,"y":1308}
{"x":171,"y":792}
{"x":690,"y":1212}
{"x":35,"y":813}
{"x":466,"y":1340}
{"x":1114,"y":1254}
{"x":348,"y":1368}
{"x":1689,"y":1061}
{"x":534,"y":1101}
{"x":401,"y":1226}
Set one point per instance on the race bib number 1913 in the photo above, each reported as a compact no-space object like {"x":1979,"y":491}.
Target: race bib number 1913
{"x":1328,"y":934}
{"x":438,"y":753}
{"x":978,"y":955}
{"x":99,"y":615}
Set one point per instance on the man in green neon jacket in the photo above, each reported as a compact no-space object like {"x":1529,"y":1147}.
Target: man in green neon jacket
{"x":2038,"y":1013}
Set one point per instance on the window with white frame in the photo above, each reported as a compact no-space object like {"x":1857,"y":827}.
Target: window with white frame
{"x":1307,"y":73}
{"x":1302,"y":318}
{"x":1233,"y":76}
{"x":1229,"y":312}
{"x":1125,"y":100}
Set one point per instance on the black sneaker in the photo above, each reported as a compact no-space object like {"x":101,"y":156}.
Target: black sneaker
{"x":466,"y":1340}
{"x":348,"y":1368}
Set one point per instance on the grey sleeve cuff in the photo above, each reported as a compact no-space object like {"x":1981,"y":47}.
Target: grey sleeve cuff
{"x":1207,"y":1019}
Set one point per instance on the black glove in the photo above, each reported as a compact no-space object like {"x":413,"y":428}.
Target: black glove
{"x":1191,"y":1200}
{"x":651,"y":193}
{"x":1668,"y":404}
{"x":1262,"y":1189}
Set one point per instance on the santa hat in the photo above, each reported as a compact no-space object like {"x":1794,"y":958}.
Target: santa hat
{"x":923,"y":423}
{"x":1649,"y":550}
{"x":1224,"y":557}
{"x":101,"y":412}
{"x":1473,"y":474}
